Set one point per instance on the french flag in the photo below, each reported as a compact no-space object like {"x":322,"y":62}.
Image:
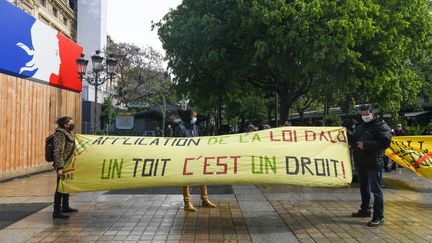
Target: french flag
{"x":31,"y":49}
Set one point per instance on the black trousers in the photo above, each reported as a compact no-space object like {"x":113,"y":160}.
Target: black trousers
{"x":60,"y":199}
{"x":370,"y":181}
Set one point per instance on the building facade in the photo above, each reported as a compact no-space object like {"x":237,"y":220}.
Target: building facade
{"x":58,"y":14}
{"x":38,"y":80}
{"x":92,"y":35}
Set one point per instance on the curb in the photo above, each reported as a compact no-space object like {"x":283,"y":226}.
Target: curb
{"x":24,"y":176}
{"x":400,"y":183}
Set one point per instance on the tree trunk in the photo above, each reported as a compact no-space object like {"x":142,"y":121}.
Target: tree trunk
{"x":219,"y":116}
{"x":285,"y":105}
{"x":276,"y":110}
{"x":269,"y":114}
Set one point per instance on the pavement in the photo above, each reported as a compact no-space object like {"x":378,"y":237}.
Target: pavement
{"x":269,"y":213}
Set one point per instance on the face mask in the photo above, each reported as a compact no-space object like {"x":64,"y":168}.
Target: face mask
{"x":353,"y":127}
{"x":71,"y":127}
{"x":194,"y":119}
{"x":367,"y":118}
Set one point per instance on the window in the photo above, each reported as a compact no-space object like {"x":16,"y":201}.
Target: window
{"x":42,"y":2}
{"x":65,"y":21}
{"x":55,"y":11}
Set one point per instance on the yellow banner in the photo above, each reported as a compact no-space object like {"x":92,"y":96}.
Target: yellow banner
{"x":413,"y":153}
{"x":305,"y":156}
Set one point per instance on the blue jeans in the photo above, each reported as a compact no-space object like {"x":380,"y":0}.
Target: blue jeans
{"x":370,"y":181}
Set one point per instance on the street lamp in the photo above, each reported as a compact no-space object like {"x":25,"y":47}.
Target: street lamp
{"x":97,"y":78}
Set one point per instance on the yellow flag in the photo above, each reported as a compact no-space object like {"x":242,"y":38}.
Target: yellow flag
{"x":413,"y":153}
{"x":305,"y":156}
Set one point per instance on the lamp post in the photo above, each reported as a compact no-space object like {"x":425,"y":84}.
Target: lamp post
{"x":97,"y":77}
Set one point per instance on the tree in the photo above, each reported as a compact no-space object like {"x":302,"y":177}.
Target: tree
{"x":343,"y":48}
{"x":108,"y":113}
{"x":141,"y":75}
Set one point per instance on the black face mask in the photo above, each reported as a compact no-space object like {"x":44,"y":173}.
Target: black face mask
{"x":71,"y":127}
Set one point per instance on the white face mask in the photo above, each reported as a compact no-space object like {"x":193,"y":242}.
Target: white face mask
{"x":194,"y":119}
{"x":367,"y":118}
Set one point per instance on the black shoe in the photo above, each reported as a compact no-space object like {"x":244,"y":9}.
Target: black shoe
{"x":59,"y":215}
{"x":361,"y":214}
{"x":375,"y":222}
{"x":69,"y":210}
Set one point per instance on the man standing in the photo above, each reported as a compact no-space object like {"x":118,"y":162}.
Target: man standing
{"x":399,"y":131}
{"x":64,"y":144}
{"x":370,"y":140}
{"x":188,"y":128}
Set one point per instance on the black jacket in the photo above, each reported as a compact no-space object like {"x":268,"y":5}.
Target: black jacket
{"x":186,"y":130}
{"x":376,"y":137}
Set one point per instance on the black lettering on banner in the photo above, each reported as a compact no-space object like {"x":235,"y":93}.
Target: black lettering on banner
{"x":297,"y":167}
{"x":194,"y":141}
{"x":140,"y":142}
{"x":421,"y":144}
{"x":318,"y":173}
{"x":335,"y":162}
{"x":145,"y":165}
{"x":155,"y":142}
{"x":136,"y":165}
{"x":181,"y":142}
{"x":156,"y":165}
{"x":98,"y":141}
{"x":125,"y":142}
{"x":105,"y":140}
{"x":328,"y":167}
{"x":164,"y":166}
{"x":305,"y":161}
{"x":114,"y":140}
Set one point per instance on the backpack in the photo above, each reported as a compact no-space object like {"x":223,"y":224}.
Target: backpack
{"x":49,"y":148}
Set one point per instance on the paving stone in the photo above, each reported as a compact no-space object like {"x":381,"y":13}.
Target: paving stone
{"x":270,"y":213}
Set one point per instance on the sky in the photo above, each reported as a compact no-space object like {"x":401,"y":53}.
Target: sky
{"x":130,"y":20}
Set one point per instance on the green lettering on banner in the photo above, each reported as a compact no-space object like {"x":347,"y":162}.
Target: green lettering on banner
{"x":253,"y":166}
{"x":117,"y":168}
{"x":271,"y":164}
{"x":103,"y":170}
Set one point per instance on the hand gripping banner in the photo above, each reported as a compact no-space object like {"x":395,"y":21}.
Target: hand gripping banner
{"x":414,"y":153}
{"x":304,"y":156}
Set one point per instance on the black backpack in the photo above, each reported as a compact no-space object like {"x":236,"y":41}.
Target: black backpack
{"x":49,"y":148}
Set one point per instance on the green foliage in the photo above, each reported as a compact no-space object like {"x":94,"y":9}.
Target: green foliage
{"x":247,"y":104}
{"x":108,"y":111}
{"x":332,"y":121}
{"x":413,"y":131}
{"x":141,"y":75}
{"x":365,"y":50}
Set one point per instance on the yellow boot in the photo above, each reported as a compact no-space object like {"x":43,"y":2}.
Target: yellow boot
{"x":188,"y":206}
{"x":204,"y":198}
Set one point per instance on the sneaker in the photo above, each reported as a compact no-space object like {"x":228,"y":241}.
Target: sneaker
{"x":375,"y":222}
{"x":361,"y":214}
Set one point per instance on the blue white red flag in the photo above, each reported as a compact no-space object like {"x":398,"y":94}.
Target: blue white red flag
{"x":31,"y":49}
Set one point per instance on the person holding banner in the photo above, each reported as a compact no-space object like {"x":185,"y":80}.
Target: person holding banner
{"x":370,"y":141}
{"x":64,"y":145}
{"x":188,"y":128}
